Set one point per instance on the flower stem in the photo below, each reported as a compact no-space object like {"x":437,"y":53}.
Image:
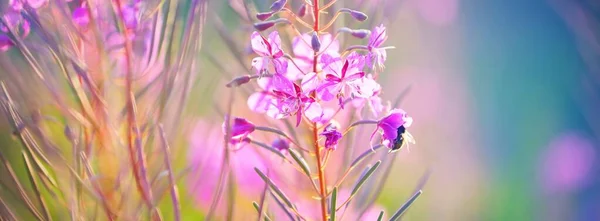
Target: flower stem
{"x":320,"y":167}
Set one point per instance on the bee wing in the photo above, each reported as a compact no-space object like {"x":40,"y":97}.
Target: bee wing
{"x":409,"y":138}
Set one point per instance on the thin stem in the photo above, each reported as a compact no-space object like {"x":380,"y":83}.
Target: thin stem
{"x":298,"y":19}
{"x":320,"y":167}
{"x":133,"y":133}
{"x":329,"y":4}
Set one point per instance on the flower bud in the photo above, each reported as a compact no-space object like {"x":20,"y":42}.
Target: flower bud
{"x":278,"y":5}
{"x":281,"y":144}
{"x":240,"y":127}
{"x":301,"y":11}
{"x":315,"y":43}
{"x":261,"y":26}
{"x":264,"y":15}
{"x":238,"y":81}
{"x":358,"y":15}
{"x":357,"y":33}
{"x":332,"y":137}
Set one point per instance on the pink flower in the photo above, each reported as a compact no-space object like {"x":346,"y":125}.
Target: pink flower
{"x":377,"y":55}
{"x":240,"y":128}
{"x":205,"y":158}
{"x":332,"y":137}
{"x":5,"y":42}
{"x":394,"y":127}
{"x":283,"y":98}
{"x":17,"y":5}
{"x":339,"y":76}
{"x":270,"y":52}
{"x":304,"y":54}
{"x":367,"y":91}
{"x":19,"y":26}
{"x":81,"y":17}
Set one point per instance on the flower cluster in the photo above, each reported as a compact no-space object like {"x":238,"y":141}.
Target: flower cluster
{"x":305,"y":84}
{"x":315,"y":84}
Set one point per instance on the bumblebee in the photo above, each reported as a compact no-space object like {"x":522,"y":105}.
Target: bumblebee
{"x":403,"y":137}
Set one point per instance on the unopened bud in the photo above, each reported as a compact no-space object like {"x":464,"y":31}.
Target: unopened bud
{"x":278,"y":5}
{"x":315,"y":43}
{"x":357,"y":33}
{"x":238,"y":81}
{"x":301,"y":11}
{"x":264,"y":15}
{"x":358,"y":15}
{"x":261,"y":26}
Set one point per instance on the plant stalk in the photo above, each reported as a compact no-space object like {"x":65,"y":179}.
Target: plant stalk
{"x":320,"y":167}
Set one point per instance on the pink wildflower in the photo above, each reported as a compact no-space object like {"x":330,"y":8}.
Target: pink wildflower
{"x":270,"y":52}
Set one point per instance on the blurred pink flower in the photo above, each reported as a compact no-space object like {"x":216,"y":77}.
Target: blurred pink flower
{"x":205,"y":157}
{"x":567,"y":163}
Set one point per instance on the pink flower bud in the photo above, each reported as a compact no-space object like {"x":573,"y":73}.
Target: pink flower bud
{"x":264,"y":15}
{"x":358,"y":15}
{"x":357,"y":33}
{"x":301,"y":11}
{"x":261,"y":26}
{"x":278,"y":5}
{"x":240,"y":127}
{"x":281,"y":144}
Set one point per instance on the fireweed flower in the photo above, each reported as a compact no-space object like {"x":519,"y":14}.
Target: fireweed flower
{"x":377,"y":54}
{"x":367,"y":92}
{"x":393,"y":127}
{"x":285,"y":99}
{"x":270,"y":52}
{"x":314,"y":86}
{"x":339,"y":76}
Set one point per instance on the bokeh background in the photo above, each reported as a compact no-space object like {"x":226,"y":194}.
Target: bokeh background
{"x":505,"y":96}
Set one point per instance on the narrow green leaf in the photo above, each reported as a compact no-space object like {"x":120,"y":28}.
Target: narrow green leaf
{"x":300,"y":161}
{"x":404,"y":207}
{"x":269,"y":148}
{"x":365,"y":154}
{"x":365,"y":178}
{"x":333,"y":201}
{"x":380,"y":217}
{"x":276,"y":189}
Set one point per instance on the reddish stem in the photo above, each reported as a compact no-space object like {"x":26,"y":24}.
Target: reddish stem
{"x":320,"y":167}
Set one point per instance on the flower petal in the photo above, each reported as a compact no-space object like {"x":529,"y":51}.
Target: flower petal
{"x":259,"y":46}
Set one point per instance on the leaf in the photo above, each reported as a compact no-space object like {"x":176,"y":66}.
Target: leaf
{"x":365,"y":154}
{"x":364,"y":178}
{"x":404,"y":207}
{"x":276,"y":189}
{"x":333,"y":201}
{"x":303,"y":164}
{"x":380,"y":217}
